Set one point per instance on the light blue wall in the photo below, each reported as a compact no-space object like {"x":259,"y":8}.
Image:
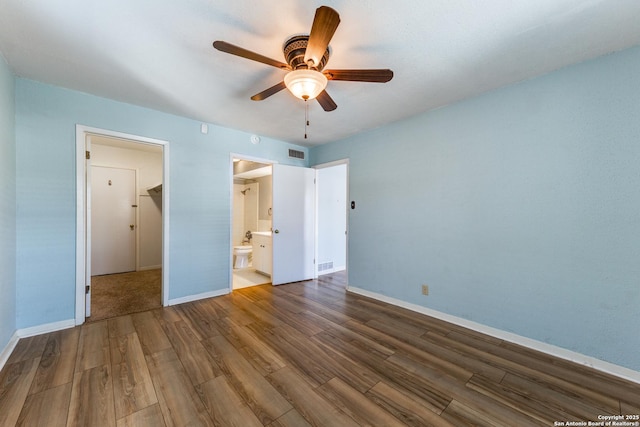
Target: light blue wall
{"x":7,"y":205}
{"x":46,"y":117}
{"x":519,"y":208}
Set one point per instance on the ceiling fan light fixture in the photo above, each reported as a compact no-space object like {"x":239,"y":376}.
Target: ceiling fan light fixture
{"x":305,"y":84}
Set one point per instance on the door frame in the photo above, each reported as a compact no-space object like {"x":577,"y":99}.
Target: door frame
{"x":83,"y":257}
{"x":346,"y":210}
{"x":249,"y":159}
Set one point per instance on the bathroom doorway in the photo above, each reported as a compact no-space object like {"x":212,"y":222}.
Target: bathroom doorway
{"x":251,"y":222}
{"x":283,"y":248}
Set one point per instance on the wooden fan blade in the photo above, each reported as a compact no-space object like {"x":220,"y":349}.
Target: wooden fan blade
{"x":268,"y":92}
{"x":326,"y":102}
{"x":324,"y":25}
{"x":244,"y":53}
{"x":374,"y":76}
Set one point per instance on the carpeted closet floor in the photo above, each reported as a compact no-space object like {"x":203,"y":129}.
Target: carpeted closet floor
{"x":117,"y":294}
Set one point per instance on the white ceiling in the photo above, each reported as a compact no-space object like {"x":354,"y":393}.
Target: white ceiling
{"x":158,"y":53}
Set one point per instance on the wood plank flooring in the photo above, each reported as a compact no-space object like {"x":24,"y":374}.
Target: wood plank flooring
{"x":302,"y":354}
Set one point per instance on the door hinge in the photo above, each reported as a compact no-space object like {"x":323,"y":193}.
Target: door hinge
{"x":87,"y":289}
{"x":87,"y":155}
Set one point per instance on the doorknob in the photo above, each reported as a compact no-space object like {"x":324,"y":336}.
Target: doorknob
{"x":276,"y":231}
{"x":131,"y":226}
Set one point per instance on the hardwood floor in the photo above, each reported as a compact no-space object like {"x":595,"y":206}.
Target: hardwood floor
{"x":295,"y":355}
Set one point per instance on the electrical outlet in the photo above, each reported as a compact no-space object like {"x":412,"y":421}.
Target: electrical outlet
{"x":425,"y":290}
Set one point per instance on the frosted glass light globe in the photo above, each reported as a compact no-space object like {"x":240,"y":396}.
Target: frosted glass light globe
{"x":305,"y":84}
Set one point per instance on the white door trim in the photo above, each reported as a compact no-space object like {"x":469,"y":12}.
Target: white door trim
{"x":346,"y":212}
{"x":81,"y":207}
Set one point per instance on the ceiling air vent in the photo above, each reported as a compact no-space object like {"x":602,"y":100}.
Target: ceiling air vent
{"x":296,"y":154}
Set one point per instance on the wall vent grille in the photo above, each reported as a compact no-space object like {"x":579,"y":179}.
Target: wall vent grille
{"x":325,"y":266}
{"x":296,"y":154}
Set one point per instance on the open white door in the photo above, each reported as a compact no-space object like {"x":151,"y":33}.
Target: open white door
{"x":293,"y":224}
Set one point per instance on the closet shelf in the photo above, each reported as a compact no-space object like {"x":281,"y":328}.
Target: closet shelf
{"x":155,"y":188}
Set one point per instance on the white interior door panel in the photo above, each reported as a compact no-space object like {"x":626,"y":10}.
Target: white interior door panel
{"x":293,"y":224}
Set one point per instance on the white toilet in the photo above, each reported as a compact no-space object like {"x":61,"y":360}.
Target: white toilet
{"x":241,"y":254}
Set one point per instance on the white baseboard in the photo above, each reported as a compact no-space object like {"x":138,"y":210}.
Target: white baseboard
{"x":150,"y":267}
{"x":8,"y":349}
{"x":46,"y":328}
{"x":332,"y":270}
{"x":579,"y":358}
{"x":30,"y":332}
{"x":197,"y":297}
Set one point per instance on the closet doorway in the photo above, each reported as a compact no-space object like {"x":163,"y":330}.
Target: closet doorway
{"x":122,"y":223}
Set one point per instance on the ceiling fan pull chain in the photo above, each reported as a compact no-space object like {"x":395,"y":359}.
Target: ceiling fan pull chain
{"x":306,"y":118}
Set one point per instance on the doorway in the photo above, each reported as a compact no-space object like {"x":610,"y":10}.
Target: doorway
{"x":134,"y":170}
{"x":291,"y":245}
{"x":251,"y":222}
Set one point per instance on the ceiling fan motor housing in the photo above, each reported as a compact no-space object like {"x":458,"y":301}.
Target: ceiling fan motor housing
{"x":294,"y":49}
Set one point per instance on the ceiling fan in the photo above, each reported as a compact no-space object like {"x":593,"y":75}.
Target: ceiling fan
{"x":306,"y":57}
